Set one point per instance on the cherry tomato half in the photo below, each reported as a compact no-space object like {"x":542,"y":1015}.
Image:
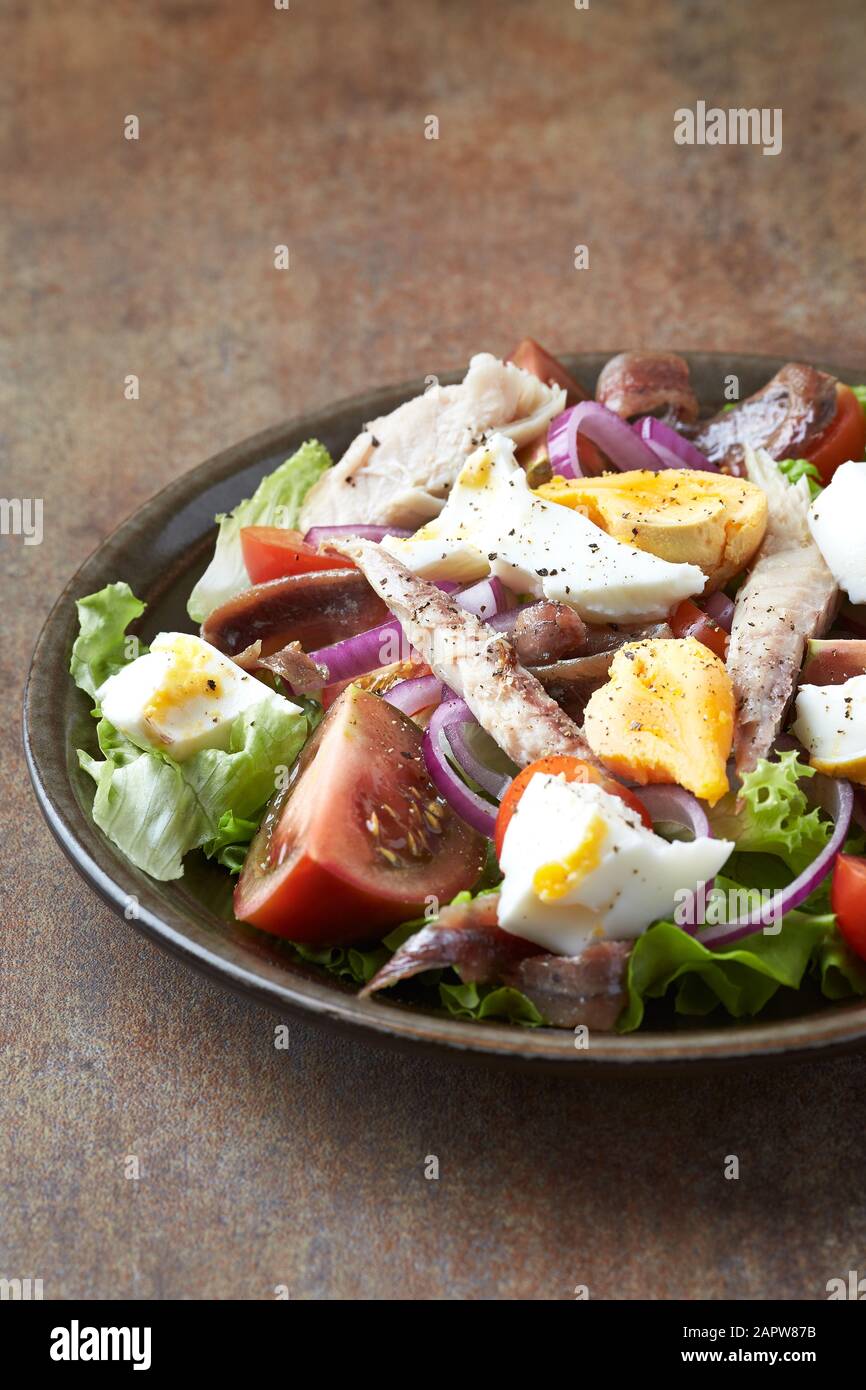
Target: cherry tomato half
{"x":271,"y":552}
{"x":575,"y":770}
{"x":848,"y":900}
{"x":843,"y":439}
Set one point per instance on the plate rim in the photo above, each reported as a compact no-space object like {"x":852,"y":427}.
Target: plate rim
{"x":835,"y":1029}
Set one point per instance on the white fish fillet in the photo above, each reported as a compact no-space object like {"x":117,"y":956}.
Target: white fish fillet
{"x":400,"y":468}
{"x":477,"y":664}
{"x":789,"y":597}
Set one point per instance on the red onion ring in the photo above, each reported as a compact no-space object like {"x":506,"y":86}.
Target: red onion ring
{"x":357,"y":655}
{"x":319,"y":535}
{"x":504,"y":622}
{"x":669,"y":802}
{"x":671,"y":448}
{"x":623,"y":446}
{"x":674,"y":804}
{"x":840,"y":798}
{"x":468,"y":804}
{"x":485,"y":599}
{"x":415,"y":694}
{"x":494,"y":783}
{"x":721,"y":609}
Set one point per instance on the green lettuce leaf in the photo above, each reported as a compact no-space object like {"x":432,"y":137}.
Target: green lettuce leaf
{"x":840,"y":972}
{"x":102,"y":646}
{"x":795,"y":469}
{"x":860,"y":393}
{"x":345,"y":962}
{"x":230,"y":844}
{"x":489,"y":1001}
{"x":156,"y":810}
{"x":742,"y":978}
{"x":774,"y":815}
{"x":276,"y":502}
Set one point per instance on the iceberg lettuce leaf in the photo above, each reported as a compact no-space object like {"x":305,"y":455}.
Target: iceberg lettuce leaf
{"x":276,"y":502}
{"x":102,"y":646}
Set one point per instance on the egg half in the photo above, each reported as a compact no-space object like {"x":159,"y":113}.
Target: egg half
{"x":579,"y":865}
{"x":181,"y":696}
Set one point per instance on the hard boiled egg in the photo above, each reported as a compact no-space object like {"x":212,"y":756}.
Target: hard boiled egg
{"x":836,"y":523}
{"x":181,"y":696}
{"x":492,"y":523}
{"x":831,"y":725}
{"x":579,"y":865}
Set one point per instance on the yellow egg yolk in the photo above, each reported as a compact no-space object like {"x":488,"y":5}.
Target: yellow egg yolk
{"x":477,"y":473}
{"x":553,"y":881}
{"x":188,"y":678}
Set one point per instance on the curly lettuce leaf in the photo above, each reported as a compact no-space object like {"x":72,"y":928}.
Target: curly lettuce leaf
{"x":156,"y":810}
{"x":102,"y":646}
{"x":276,"y":502}
{"x":774,"y":816}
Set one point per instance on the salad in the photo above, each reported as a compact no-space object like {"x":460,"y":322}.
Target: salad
{"x":531,"y":706}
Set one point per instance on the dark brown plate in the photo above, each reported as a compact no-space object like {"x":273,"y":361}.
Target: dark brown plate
{"x":160,"y":552}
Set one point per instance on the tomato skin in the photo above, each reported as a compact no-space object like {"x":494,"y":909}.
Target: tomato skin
{"x":533,"y":358}
{"x":271,"y":552}
{"x":848,"y":900}
{"x":575,"y":770}
{"x":688,"y":620}
{"x":361,"y":840}
{"x":843,"y":439}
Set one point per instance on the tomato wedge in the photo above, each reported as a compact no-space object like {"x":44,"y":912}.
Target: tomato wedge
{"x":843,"y":439}
{"x":533,"y":358}
{"x":688,"y":620}
{"x":271,"y":552}
{"x":848,"y":900}
{"x":575,"y":770}
{"x":360,"y":840}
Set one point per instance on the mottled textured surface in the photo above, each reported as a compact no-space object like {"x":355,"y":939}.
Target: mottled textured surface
{"x":305,"y":1167}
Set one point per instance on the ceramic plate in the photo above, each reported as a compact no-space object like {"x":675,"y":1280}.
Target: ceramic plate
{"x":161,"y":551}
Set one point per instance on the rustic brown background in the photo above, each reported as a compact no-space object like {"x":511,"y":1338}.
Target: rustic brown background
{"x":156,"y":258}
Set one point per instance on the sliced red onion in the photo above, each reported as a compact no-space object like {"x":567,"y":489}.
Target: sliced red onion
{"x":437,"y":738}
{"x":493,"y":782}
{"x":670,"y":447}
{"x":357,"y":655}
{"x":319,"y":535}
{"x":416,"y":694}
{"x":485,"y":599}
{"x":622,"y":445}
{"x":721,"y":609}
{"x":504,"y":622}
{"x":677,"y":806}
{"x":838,"y":799}
{"x":665,"y":458}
